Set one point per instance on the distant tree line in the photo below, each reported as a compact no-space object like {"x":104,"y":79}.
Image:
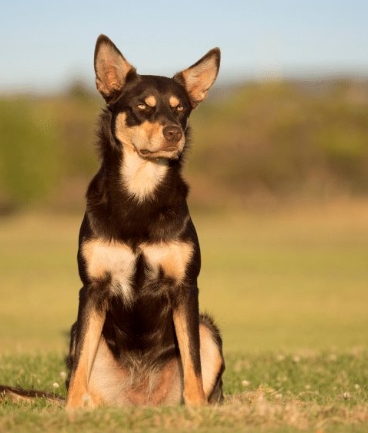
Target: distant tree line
{"x":278,"y":140}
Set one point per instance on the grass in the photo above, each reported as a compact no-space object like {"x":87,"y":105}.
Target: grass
{"x":315,"y":391}
{"x":288,"y":289}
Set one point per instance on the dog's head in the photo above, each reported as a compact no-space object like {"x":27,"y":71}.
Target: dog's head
{"x":150,"y":112}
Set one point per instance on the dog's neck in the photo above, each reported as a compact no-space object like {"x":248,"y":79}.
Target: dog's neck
{"x":141,"y":177}
{"x":140,"y":199}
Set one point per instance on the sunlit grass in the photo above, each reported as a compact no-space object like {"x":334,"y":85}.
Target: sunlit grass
{"x":272,"y":392}
{"x":288,"y":288}
{"x":38,"y":282}
{"x":290,"y":279}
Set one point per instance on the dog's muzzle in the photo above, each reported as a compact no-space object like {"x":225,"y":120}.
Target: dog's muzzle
{"x":170,"y":148}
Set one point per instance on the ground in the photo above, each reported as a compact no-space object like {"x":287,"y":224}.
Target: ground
{"x":287,"y":285}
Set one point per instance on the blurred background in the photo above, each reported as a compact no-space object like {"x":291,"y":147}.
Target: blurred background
{"x":278,"y":165}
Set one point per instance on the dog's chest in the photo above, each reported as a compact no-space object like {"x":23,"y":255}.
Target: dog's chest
{"x":117,"y":263}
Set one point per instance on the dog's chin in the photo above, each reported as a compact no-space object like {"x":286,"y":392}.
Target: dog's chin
{"x":167,"y":153}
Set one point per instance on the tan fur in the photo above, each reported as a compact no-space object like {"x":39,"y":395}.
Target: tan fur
{"x":117,"y":373}
{"x":114,"y":258}
{"x":172,"y":257}
{"x":151,"y":101}
{"x":113,"y":385}
{"x":141,"y":176}
{"x":125,"y":134}
{"x":119,"y":386}
{"x":198,"y":79}
{"x":211,"y":359}
{"x":79,"y":394}
{"x":147,"y":136}
{"x":174,"y":101}
{"x":193,"y":384}
{"x":111,"y":70}
{"x":118,"y":260}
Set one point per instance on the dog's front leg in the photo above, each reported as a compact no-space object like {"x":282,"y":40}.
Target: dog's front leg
{"x":186,"y":323}
{"x":91,"y":318}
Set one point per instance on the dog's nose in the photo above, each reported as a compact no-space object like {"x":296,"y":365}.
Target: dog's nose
{"x":172,"y":133}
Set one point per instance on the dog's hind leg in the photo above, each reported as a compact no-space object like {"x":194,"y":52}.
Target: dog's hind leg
{"x":91,"y":318}
{"x":212,"y":360}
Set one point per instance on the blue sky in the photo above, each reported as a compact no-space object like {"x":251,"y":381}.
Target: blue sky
{"x":46,"y":44}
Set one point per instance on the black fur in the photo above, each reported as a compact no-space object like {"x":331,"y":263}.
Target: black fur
{"x":139,"y":335}
{"x":142,"y":332}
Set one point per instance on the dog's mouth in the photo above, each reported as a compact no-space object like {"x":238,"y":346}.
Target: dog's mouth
{"x":169,"y":152}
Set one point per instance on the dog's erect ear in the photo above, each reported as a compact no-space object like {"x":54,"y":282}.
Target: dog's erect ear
{"x":199,"y":77}
{"x":111,"y":69}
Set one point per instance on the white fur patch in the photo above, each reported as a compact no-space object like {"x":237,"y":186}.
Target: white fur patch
{"x":141,"y":177}
{"x":114,"y":258}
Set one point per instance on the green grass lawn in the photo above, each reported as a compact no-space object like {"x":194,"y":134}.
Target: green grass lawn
{"x":316,"y":392}
{"x":288,"y":288}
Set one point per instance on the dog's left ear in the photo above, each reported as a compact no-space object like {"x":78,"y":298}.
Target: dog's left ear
{"x":111,"y":68}
{"x":199,"y":78}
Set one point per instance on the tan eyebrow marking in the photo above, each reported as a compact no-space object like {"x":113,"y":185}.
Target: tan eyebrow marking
{"x":151,"y":101}
{"x":174,"y":101}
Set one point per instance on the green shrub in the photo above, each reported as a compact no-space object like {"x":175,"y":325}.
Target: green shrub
{"x":29,"y":155}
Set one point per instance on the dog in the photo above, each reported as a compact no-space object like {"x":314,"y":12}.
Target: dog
{"x":139,"y":338}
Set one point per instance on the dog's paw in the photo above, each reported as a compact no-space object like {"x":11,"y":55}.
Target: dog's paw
{"x":84,"y":402}
{"x":194,"y":399}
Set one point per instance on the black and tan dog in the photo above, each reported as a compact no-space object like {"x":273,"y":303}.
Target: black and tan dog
{"x":139,"y":337}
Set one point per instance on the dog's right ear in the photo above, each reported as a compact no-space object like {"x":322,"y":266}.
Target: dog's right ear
{"x":111,"y":69}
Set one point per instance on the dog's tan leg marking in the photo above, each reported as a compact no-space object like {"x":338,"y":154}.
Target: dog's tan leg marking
{"x":193,"y":385}
{"x":173,"y":259}
{"x":78,"y":393}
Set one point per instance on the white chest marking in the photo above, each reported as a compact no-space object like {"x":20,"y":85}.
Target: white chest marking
{"x":117,"y":259}
{"x":140,"y":176}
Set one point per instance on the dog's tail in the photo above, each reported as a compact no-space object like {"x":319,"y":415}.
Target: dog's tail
{"x":19,"y":394}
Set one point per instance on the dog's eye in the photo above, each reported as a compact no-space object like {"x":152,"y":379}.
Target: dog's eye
{"x":179,"y":108}
{"x":141,"y":106}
